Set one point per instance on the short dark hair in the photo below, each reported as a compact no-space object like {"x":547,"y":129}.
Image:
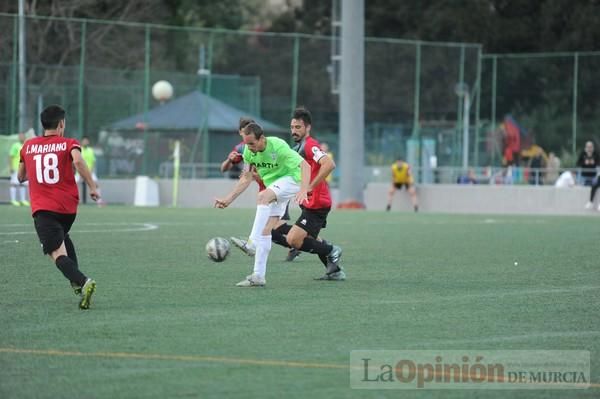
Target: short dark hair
{"x":302,"y":114}
{"x":245,"y":121}
{"x":51,"y":116}
{"x":253,"y":128}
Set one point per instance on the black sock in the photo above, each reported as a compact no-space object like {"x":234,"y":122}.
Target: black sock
{"x":70,"y":271}
{"x":71,"y":250}
{"x":284,"y":229}
{"x":278,"y":238}
{"x":316,"y":247}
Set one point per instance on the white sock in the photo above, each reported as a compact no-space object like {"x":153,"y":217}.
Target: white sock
{"x":13,"y":193}
{"x":23,"y":193}
{"x":263,"y":247}
{"x":260,"y":221}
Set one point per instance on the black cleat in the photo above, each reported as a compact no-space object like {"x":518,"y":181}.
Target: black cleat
{"x":333,"y":260}
{"x":292,"y":254}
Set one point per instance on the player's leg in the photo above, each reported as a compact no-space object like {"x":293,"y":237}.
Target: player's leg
{"x":391,"y":192}
{"x":281,"y":229}
{"x":52,"y":229}
{"x":412,"y":191}
{"x":23,"y":194}
{"x":14,"y":184}
{"x":51,"y":232}
{"x":280,"y":232}
{"x":301,"y":236}
{"x":261,"y":237}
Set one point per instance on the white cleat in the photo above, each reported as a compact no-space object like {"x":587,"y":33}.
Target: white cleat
{"x":245,"y":246}
{"x":589,"y":205}
{"x":253,"y":280}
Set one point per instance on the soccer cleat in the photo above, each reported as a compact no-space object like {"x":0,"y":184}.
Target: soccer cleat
{"x":244,"y":245}
{"x":340,"y":275}
{"x":253,"y":280}
{"x":15,"y":203}
{"x":598,"y":207}
{"x":76,"y":288}
{"x":333,"y":260}
{"x":292,"y":254}
{"x":86,"y":293}
{"x":25,"y":203}
{"x":388,"y":208}
{"x":589,"y":205}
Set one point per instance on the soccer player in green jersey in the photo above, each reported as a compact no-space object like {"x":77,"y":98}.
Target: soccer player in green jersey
{"x":16,"y":187}
{"x":89,"y":156}
{"x":285,"y":174}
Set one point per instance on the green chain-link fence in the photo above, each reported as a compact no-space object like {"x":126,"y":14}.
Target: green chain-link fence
{"x":102,"y":72}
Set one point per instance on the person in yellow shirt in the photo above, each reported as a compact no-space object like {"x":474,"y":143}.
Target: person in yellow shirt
{"x":325,"y":149}
{"x":401,"y":177}
{"x":88,"y":155}
{"x":17,"y":190}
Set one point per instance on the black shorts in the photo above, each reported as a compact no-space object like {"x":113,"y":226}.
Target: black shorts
{"x":313,"y":220}
{"x":52,"y":228}
{"x":286,"y":215}
{"x":400,"y":185}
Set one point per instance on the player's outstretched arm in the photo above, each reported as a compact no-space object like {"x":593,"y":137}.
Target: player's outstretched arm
{"x":84,"y":172}
{"x":241,"y":186}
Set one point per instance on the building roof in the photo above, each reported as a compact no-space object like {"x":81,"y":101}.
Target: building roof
{"x":189,"y":112}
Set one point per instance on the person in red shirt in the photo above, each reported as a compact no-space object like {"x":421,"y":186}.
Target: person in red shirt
{"x":47,"y":163}
{"x":304,"y":234}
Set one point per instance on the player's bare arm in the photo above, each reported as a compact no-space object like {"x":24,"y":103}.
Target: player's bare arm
{"x":242,"y":184}
{"x":84,"y":172}
{"x":22,"y":173}
{"x":327,"y":166}
{"x":302,"y":195}
{"x":229,"y":161}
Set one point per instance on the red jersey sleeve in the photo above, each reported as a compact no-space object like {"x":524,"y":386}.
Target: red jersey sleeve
{"x":313,"y":151}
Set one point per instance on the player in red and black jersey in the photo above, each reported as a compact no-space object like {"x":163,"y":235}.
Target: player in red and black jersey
{"x":47,"y":163}
{"x":305,"y":232}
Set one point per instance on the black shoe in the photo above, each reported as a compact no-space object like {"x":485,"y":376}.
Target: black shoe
{"x":292,"y":254}
{"x":388,"y":208}
{"x":416,"y":208}
{"x":333,"y":260}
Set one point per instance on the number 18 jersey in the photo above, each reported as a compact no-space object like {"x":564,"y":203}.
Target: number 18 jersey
{"x":50,"y":173}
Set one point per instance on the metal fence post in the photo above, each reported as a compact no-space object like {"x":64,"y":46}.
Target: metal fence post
{"x":81,"y":125}
{"x":146,"y":97}
{"x":296,"y":59}
{"x":477,"y":108}
{"x":15,"y":62}
{"x":416,"y":132}
{"x":574,"y":117}
{"x":494,"y":82}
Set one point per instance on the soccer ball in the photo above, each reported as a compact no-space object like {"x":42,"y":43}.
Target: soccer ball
{"x":217,"y":249}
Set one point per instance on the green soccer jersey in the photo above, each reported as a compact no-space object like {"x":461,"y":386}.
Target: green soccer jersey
{"x":87,"y":153}
{"x":15,"y":157}
{"x":276,"y":161}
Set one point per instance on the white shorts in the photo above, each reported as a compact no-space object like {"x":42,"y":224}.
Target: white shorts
{"x":78,"y":178}
{"x":285,"y":189}
{"x":14,"y":180}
